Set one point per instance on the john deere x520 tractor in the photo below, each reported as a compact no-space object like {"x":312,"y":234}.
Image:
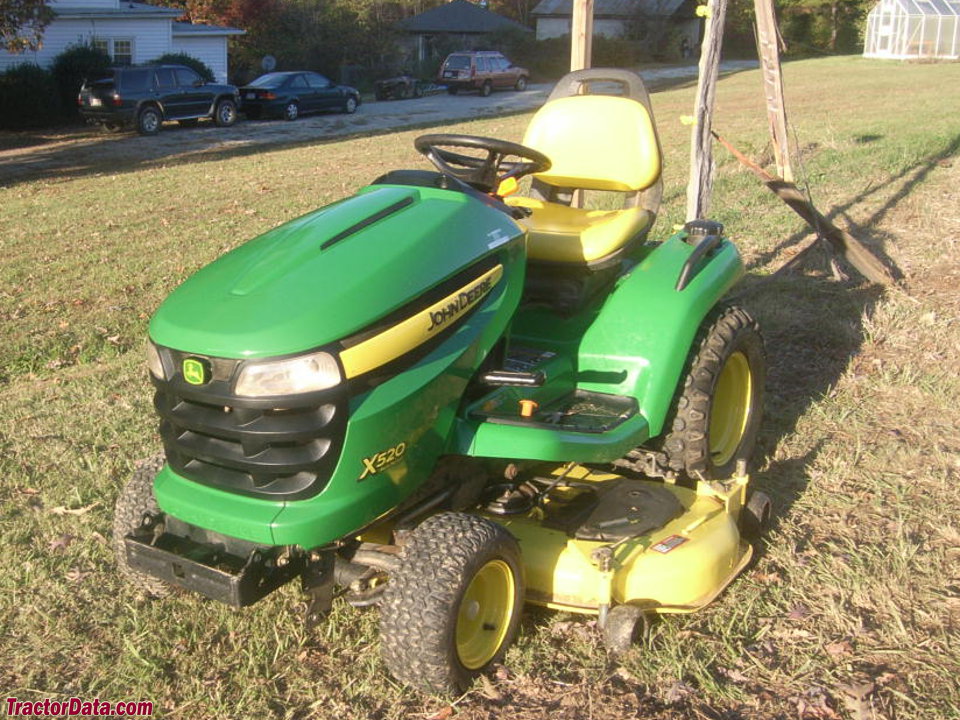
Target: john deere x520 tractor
{"x":445,"y":399}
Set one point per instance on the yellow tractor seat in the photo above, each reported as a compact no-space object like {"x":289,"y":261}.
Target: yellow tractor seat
{"x":561,"y":234}
{"x":594,"y":142}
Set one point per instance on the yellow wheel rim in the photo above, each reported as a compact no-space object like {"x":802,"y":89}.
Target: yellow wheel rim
{"x":485,"y":614}
{"x":730,"y":410}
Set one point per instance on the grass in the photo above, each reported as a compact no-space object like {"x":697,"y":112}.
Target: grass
{"x":852,"y":609}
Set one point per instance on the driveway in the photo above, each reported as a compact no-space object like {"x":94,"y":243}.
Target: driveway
{"x":28,"y":155}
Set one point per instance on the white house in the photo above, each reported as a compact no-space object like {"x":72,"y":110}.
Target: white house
{"x":130,"y":32}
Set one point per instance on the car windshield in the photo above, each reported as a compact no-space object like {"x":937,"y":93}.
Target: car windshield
{"x":458,"y":62}
{"x":270,"y":80}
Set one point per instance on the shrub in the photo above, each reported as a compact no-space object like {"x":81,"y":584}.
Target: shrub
{"x":28,"y":97}
{"x":69,"y":70}
{"x":190,"y":61}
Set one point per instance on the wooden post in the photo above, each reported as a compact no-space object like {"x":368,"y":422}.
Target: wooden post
{"x":700,"y":186}
{"x":581,"y":34}
{"x":768,"y":49}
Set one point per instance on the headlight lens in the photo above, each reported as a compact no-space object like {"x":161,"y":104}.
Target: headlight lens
{"x":307,"y":373}
{"x":154,"y":363}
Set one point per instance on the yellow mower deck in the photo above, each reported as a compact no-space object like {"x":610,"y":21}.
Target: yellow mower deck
{"x":678,"y":568}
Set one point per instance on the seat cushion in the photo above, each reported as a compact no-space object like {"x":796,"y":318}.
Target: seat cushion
{"x":562,"y":234}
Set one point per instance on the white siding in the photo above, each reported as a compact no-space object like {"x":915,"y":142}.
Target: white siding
{"x":84,"y":4}
{"x":151,"y":38}
{"x":211,"y":50}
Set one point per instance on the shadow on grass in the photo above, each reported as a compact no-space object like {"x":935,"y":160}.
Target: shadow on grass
{"x":866,"y":232}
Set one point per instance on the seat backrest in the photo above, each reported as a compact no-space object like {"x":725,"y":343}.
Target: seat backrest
{"x":596,"y":142}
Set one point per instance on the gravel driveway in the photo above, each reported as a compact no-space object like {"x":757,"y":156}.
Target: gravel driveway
{"x":79,"y":151}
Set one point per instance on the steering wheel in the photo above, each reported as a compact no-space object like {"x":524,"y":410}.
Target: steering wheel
{"x":487,"y":173}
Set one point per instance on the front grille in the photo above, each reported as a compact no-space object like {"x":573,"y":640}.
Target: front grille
{"x":248,"y":445}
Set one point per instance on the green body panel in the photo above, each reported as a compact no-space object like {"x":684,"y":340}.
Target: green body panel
{"x":416,"y":407}
{"x":634,"y":342}
{"x":282,"y":293}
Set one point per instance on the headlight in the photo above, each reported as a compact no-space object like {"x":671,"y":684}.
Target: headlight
{"x":307,"y":373}
{"x":154,"y":363}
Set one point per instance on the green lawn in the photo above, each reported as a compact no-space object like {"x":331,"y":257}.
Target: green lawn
{"x":852,"y":609}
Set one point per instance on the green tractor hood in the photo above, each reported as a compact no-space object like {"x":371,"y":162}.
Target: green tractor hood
{"x":330,"y":273}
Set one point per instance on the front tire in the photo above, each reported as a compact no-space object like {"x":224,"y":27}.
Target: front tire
{"x":291,"y":112}
{"x":486,"y":89}
{"x":149,"y":121}
{"x":225,"y":113}
{"x":521,"y":84}
{"x":134,"y":500}
{"x":716,"y":418}
{"x":350,"y":105}
{"x":451,"y":610}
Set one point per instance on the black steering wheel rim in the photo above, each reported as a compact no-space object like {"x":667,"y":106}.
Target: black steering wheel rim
{"x":485,"y":174}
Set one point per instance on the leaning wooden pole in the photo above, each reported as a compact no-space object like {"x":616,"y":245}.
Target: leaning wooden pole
{"x":700,"y":186}
{"x":847,"y":246}
{"x":768,"y":42}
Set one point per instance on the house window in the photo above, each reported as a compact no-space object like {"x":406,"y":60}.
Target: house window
{"x":123,"y":52}
{"x":119,"y":50}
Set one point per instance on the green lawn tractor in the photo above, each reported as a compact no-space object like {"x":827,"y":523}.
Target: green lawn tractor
{"x":446,"y":400}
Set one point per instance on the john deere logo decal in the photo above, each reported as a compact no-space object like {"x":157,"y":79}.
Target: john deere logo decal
{"x":194,"y":371}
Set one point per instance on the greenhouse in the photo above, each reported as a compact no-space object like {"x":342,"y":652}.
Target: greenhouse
{"x":913,"y":29}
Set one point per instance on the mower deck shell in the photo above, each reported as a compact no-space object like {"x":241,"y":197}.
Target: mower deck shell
{"x":678,"y":568}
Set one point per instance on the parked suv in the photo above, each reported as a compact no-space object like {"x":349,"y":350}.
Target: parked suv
{"x":146,"y":95}
{"x":481,"y":70}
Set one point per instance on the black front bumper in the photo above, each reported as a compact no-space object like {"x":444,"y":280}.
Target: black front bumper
{"x":210,"y":568}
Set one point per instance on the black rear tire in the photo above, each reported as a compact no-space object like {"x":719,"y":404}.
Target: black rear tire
{"x":134,"y":500}
{"x":451,"y":610}
{"x":716,"y":417}
{"x":149,"y":120}
{"x":486,"y":89}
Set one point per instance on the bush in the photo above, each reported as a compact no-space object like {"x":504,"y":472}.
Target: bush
{"x":28,"y":97}
{"x":190,"y":61}
{"x":69,"y":70}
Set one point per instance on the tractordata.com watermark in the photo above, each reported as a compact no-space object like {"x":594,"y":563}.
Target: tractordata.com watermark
{"x":77,"y":707}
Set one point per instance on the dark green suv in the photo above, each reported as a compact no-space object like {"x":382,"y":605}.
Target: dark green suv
{"x":144,"y":96}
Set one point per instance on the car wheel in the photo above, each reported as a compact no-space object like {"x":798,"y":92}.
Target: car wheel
{"x":291,"y":111}
{"x":486,"y":89}
{"x":134,"y":500}
{"x":404,"y":92}
{"x":350,"y":105}
{"x":716,"y":416}
{"x":225,"y":114}
{"x":417,"y":90}
{"x":451,"y":609}
{"x":521,"y":84}
{"x":149,"y":121}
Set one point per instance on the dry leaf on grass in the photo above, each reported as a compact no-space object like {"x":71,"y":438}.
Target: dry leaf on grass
{"x":856,"y":699}
{"x":61,"y":510}
{"x":61,"y":543}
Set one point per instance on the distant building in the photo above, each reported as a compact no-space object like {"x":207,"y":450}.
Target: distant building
{"x":129,"y":32}
{"x":465,"y":24}
{"x":616,"y":18}
{"x":913,"y":29}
